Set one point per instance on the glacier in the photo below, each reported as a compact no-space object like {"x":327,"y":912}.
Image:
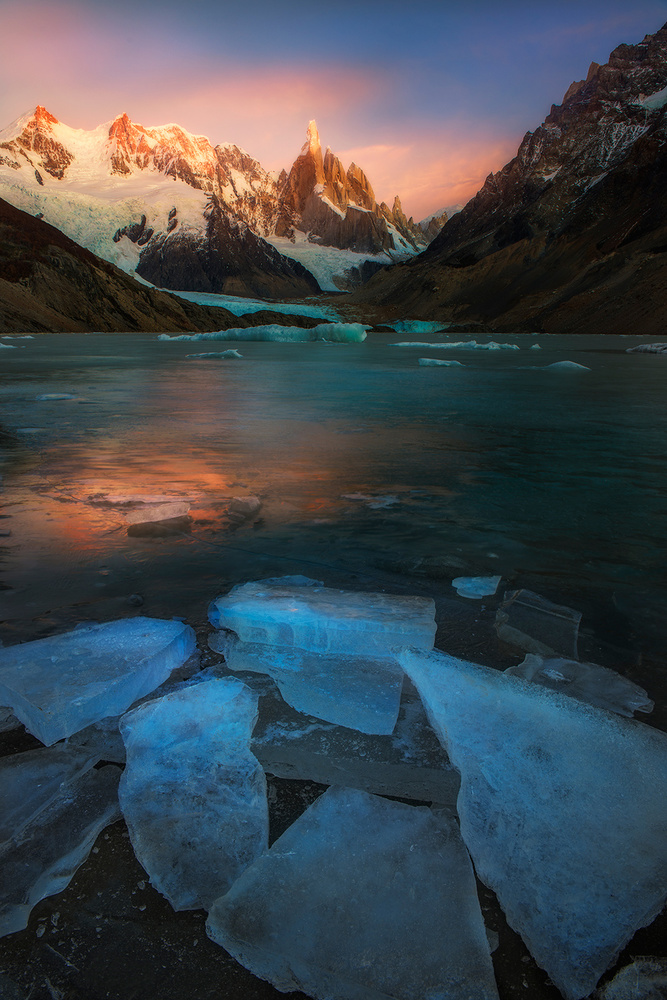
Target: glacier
{"x":361,"y":899}
{"x":192,"y":793}
{"x":335,"y":333}
{"x":562,"y":808}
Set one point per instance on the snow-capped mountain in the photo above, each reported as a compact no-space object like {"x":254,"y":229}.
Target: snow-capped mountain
{"x":163,"y":202}
{"x":570,"y":235}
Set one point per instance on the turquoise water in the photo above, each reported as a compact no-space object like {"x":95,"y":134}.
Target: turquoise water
{"x":370,"y":468}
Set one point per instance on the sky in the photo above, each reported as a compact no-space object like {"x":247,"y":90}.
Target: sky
{"x":428,"y":97}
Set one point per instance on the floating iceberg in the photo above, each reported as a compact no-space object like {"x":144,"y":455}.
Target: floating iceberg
{"x":325,"y":621}
{"x":647,"y":349}
{"x":418,"y":326}
{"x":562,"y":808}
{"x":476,"y":587}
{"x":359,"y":692}
{"x":193,"y":796}
{"x":461,"y":345}
{"x":217,"y":354}
{"x":54,"y":806}
{"x":586,"y":682}
{"x":361,"y":898}
{"x":9,"y":347}
{"x":438,"y":362}
{"x":59,"y":685}
{"x":339,"y":333}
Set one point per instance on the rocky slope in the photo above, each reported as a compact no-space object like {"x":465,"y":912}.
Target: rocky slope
{"x":48,"y":283}
{"x":570,"y":235}
{"x":145,"y":198}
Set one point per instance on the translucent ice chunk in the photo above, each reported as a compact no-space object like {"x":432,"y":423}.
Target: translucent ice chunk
{"x":410,"y":763}
{"x":476,"y":587}
{"x":533,"y":623}
{"x":644,"y":979}
{"x":158,"y":512}
{"x":361,"y":899}
{"x":54,"y":806}
{"x":562,"y":808}
{"x":324,"y":620}
{"x":585,"y":682}
{"x":59,"y":685}
{"x":193,"y":795}
{"x":360,"y":692}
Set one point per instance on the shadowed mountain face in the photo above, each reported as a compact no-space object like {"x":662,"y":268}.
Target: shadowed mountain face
{"x":48,"y":283}
{"x":571,"y":235}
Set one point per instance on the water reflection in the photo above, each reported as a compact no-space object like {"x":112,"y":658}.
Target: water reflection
{"x":557,"y":481}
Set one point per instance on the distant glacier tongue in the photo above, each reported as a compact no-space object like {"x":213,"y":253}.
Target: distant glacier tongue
{"x":562,"y":808}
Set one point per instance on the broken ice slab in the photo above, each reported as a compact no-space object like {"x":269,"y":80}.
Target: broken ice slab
{"x":562,"y":807}
{"x":534,"y":624}
{"x":643,"y":979}
{"x":476,"y":587}
{"x":158,"y":511}
{"x":192,"y":793}
{"x":325,"y":621}
{"x":587,"y":682}
{"x":361,"y":898}
{"x":59,"y":685}
{"x":55,"y":805}
{"x":410,"y":763}
{"x":360,"y":692}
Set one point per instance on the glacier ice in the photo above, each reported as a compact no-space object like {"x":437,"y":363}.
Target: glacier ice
{"x":59,"y":685}
{"x":562,"y":808}
{"x":438,"y":363}
{"x":323,"y":620}
{"x":341,"y":333}
{"x":361,"y":899}
{"x":537,"y":625}
{"x":476,"y":587}
{"x":359,"y":692}
{"x":192,"y":793}
{"x":54,"y":806}
{"x":410,"y":763}
{"x":587,"y":682}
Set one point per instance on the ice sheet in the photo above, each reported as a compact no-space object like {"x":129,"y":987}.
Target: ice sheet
{"x":59,"y":685}
{"x":562,"y":808}
{"x":192,"y":793}
{"x":361,"y":899}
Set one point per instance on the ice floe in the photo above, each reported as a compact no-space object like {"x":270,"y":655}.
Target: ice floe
{"x":59,"y":685}
{"x":192,"y":793}
{"x":361,"y":898}
{"x":562,"y":808}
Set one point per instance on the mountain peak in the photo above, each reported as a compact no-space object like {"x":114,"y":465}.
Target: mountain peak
{"x":313,"y":144}
{"x":42,"y":116}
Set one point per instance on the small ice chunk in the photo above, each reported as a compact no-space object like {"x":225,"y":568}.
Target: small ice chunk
{"x":158,"y":512}
{"x":361,"y":898}
{"x":192,"y":793}
{"x":533,"y":623}
{"x":9,"y":347}
{"x":567,"y":366}
{"x":439,"y":363}
{"x":55,"y":395}
{"x":323,"y":620}
{"x":231,"y":353}
{"x":587,"y":682}
{"x":54,"y":806}
{"x":476,"y":587}
{"x":562,"y":808}
{"x":59,"y":685}
{"x":647,"y":349}
{"x":241,"y":508}
{"x":643,"y":979}
{"x":360,"y":692}
{"x":535,"y":347}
